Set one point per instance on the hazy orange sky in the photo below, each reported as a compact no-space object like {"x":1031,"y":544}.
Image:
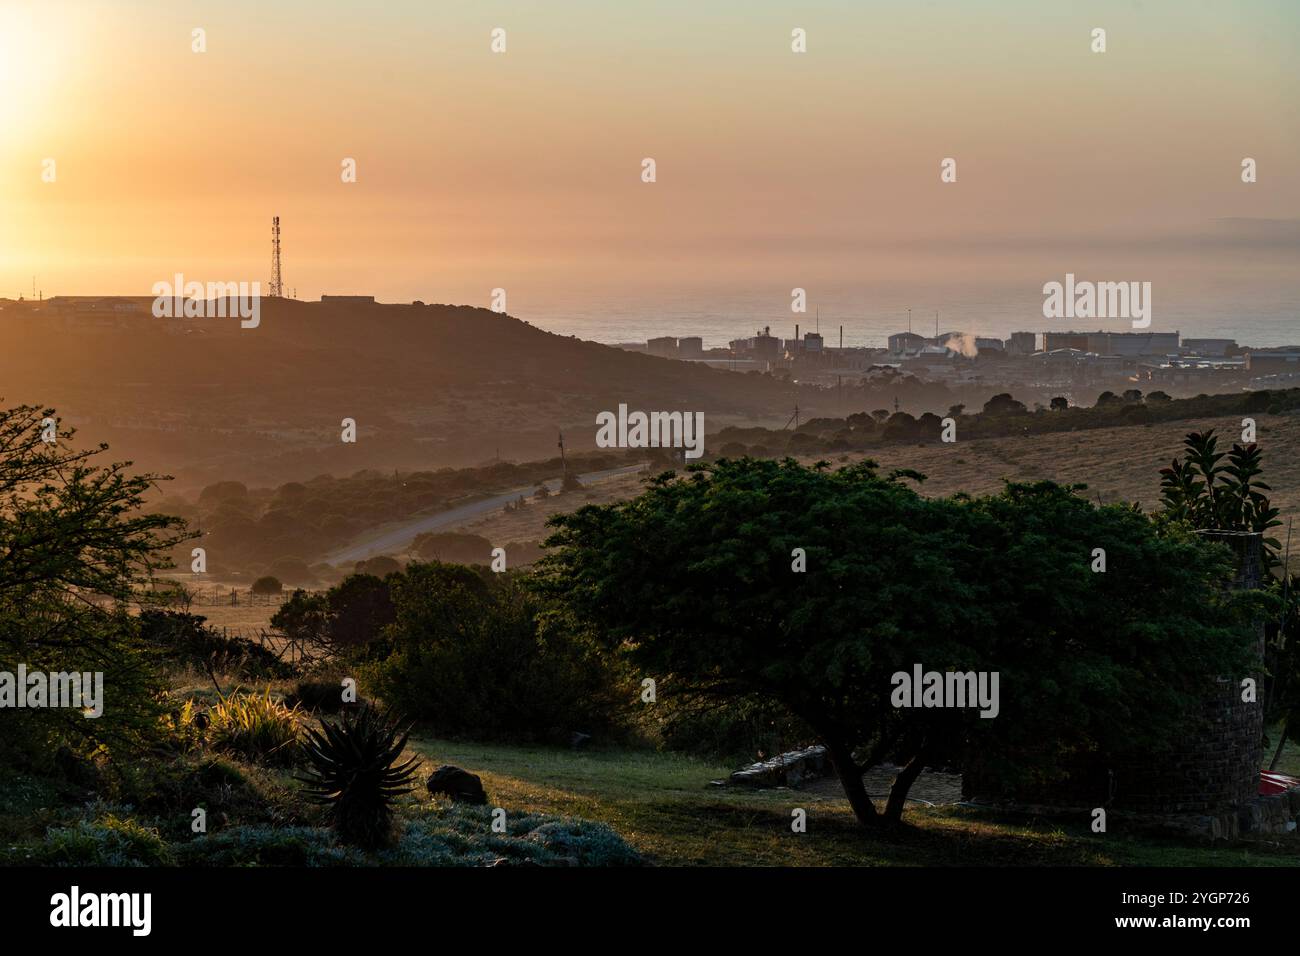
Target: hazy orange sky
{"x":522,"y":169}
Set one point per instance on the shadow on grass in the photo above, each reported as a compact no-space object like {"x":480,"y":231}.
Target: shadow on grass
{"x":662,"y":804}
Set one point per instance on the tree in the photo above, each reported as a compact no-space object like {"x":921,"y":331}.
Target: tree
{"x":929,"y":425}
{"x":1107,"y":399}
{"x":894,"y":580}
{"x":77,"y":552}
{"x":1004,"y":404}
{"x":1060,"y":403}
{"x":901,"y":426}
{"x":346,"y":618}
{"x":380,"y":566}
{"x":1132,"y":395}
{"x":1158,"y":398}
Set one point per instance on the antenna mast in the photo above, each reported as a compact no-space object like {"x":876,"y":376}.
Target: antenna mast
{"x":277,"y":285}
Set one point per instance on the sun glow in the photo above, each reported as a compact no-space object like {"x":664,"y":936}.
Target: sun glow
{"x":19,"y":68}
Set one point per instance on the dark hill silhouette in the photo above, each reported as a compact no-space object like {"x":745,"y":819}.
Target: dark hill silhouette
{"x":429,"y":386}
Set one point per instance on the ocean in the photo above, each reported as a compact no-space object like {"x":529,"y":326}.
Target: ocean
{"x":1260,"y":316}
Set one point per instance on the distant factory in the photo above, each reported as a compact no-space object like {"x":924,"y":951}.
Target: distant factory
{"x":1065,"y":358}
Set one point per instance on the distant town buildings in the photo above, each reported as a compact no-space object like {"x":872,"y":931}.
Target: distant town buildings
{"x":1065,"y":358}
{"x":1220,"y":348}
{"x":1273,"y":361}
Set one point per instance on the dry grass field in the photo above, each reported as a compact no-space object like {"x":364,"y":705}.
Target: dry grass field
{"x":529,"y":523}
{"x":1117,"y":464}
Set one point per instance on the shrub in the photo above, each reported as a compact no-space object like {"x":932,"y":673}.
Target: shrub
{"x":184,"y":640}
{"x":268,"y":846}
{"x":257,"y":728}
{"x":110,"y":840}
{"x":462,"y":836}
{"x":267,"y":585}
{"x":318,"y":695}
{"x":478,"y":652}
{"x":170,"y":790}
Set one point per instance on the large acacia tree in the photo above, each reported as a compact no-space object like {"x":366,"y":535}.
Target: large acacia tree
{"x":693,"y":581}
{"x":77,"y":552}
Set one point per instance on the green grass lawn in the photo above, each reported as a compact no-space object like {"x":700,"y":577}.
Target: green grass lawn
{"x":663,"y":805}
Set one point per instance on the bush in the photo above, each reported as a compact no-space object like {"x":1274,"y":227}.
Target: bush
{"x":256,"y":728}
{"x":462,"y":836}
{"x":268,"y":846}
{"x":109,"y":840}
{"x":475,"y":652}
{"x":170,"y":790}
{"x":320,"y":696}
{"x":183,"y":640}
{"x":267,"y":585}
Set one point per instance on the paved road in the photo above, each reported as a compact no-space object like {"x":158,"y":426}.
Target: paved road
{"x":396,"y":539}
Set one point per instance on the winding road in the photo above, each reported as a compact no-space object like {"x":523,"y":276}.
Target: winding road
{"x":396,"y":538}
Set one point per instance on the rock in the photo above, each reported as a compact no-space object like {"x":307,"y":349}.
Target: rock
{"x":461,"y":785}
{"x":786,"y":770}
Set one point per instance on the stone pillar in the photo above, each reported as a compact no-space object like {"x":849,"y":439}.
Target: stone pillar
{"x":1210,"y":769}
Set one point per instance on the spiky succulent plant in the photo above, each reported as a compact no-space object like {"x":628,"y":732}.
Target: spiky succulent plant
{"x":352,"y":768}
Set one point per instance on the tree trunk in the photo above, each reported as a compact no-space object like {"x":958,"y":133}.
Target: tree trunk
{"x":903,"y":783}
{"x":850,"y":775}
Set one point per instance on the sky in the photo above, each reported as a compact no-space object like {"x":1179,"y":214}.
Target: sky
{"x":522,"y":170}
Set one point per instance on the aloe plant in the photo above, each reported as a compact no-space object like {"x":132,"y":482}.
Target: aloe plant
{"x":353,"y":769}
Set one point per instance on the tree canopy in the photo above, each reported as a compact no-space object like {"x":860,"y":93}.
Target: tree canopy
{"x":696,"y":582}
{"x":76,"y":552}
